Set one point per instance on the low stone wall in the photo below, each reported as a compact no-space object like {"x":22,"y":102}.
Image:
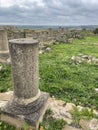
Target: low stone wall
{"x":15,"y":35}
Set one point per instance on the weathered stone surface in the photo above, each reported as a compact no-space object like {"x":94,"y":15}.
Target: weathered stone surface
{"x":24,"y":56}
{"x":27,"y":104}
{"x":32,"y":118}
{"x":61,"y":103}
{"x":18,"y":122}
{"x":95,"y":112}
{"x":5,"y":96}
{"x":3,"y":40}
{"x":4,"y":51}
{"x":84,"y":124}
{"x":3,"y":103}
{"x":70,"y":128}
{"x":59,"y":111}
{"x":93,"y":125}
{"x":48,"y":50}
{"x":89,"y":125}
{"x":4,"y":55}
{"x":14,"y":107}
{"x":81,"y":58}
{"x":80,"y":108}
{"x":31,"y":113}
{"x":5,"y":61}
{"x":69,"y":107}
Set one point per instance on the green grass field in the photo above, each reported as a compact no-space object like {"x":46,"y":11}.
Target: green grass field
{"x":67,"y":81}
{"x":63,"y":79}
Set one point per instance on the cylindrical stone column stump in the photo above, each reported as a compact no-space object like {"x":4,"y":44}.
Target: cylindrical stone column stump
{"x":4,"y":51}
{"x":28,"y":103}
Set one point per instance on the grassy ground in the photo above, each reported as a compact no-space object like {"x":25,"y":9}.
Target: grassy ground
{"x":67,"y":81}
{"x":60,"y":77}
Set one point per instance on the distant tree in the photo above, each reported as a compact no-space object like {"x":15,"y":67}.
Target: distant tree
{"x":96,"y":31}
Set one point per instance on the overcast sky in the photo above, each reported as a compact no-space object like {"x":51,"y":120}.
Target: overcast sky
{"x":49,"y":12}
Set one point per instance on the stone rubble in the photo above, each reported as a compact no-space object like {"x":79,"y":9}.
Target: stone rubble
{"x":81,"y":58}
{"x":47,"y":36}
{"x":89,"y":125}
{"x":48,"y":50}
{"x":61,"y":110}
{"x":45,"y":50}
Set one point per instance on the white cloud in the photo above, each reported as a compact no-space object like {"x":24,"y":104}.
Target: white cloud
{"x":64,"y":12}
{"x":8,"y":3}
{"x":90,"y":1}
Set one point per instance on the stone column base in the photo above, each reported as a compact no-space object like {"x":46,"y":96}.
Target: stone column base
{"x":20,"y":115}
{"x":4,"y":57}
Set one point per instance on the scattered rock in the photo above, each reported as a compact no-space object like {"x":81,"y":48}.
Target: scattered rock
{"x":70,"y":40}
{"x":73,"y":58}
{"x":93,"y":125}
{"x":48,"y":50}
{"x":61,"y":103}
{"x":84,"y":124}
{"x":59,"y":111}
{"x":80,"y":108}
{"x":95,"y":112}
{"x":69,"y":107}
{"x":69,"y":121}
{"x":81,"y":58}
{"x":70,"y":128}
{"x":85,"y":57}
{"x":89,"y":125}
{"x":65,"y":114}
